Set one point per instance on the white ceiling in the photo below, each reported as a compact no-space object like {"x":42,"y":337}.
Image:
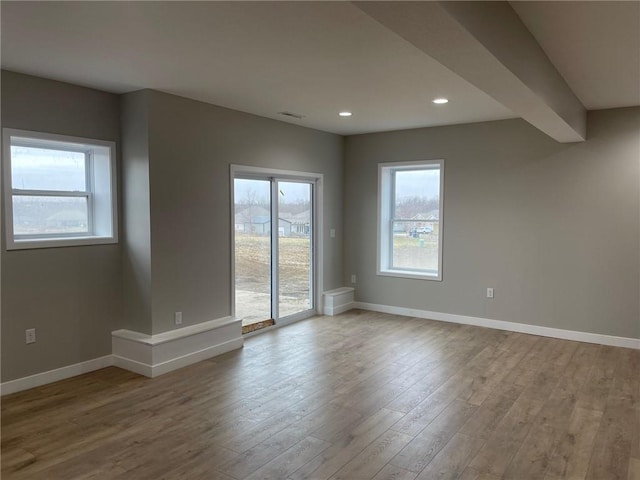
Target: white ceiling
{"x":594,"y":45}
{"x":310,"y":58}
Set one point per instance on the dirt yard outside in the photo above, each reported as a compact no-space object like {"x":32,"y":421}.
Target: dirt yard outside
{"x":253,"y":277}
{"x":253,"y":271}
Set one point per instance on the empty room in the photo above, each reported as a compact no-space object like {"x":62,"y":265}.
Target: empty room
{"x":320,"y":240}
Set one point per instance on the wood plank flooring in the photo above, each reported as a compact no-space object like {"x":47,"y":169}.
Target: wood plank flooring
{"x":359,"y":396}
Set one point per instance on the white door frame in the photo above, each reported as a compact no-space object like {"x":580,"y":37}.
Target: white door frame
{"x":245,"y":171}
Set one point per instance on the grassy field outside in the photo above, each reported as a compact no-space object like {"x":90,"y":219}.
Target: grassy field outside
{"x":416,"y":253}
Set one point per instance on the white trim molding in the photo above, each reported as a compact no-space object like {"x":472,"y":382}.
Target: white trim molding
{"x":148,"y":355}
{"x":99,"y":193}
{"x":338,"y":301}
{"x":263,"y":173}
{"x":55,"y":375}
{"x":386,"y":219}
{"x":153,"y":355}
{"x":503,"y":325}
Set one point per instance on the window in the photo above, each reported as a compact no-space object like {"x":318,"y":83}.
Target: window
{"x":59,"y":191}
{"x":410,"y":219}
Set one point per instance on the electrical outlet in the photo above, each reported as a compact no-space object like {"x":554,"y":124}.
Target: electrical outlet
{"x":332,"y":233}
{"x":178,"y":318}
{"x":353,"y":279}
{"x":489,"y":292}
{"x":30,"y":335}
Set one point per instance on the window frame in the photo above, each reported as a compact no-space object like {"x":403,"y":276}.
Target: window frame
{"x":102,"y":216}
{"x":386,"y":219}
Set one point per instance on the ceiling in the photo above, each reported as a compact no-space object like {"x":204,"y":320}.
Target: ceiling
{"x":594,"y":45}
{"x":310,"y":58}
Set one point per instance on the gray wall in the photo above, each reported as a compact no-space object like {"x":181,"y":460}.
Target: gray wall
{"x":136,"y":235}
{"x":175,"y":218}
{"x":191,"y":146}
{"x":72,"y":295}
{"x":554,"y":228}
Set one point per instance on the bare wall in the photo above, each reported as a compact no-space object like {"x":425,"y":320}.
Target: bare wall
{"x":191,"y":147}
{"x":71,"y":295}
{"x":136,"y":219}
{"x":554,"y":228}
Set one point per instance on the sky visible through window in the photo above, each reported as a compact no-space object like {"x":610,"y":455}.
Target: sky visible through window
{"x":43,"y":169}
{"x":417,"y":183}
{"x":412,"y":183}
{"x":295,"y":192}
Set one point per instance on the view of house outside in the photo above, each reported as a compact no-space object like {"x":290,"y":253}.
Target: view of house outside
{"x":415,"y":241}
{"x":252,"y":224}
{"x":416,"y":220}
{"x":417,"y":249}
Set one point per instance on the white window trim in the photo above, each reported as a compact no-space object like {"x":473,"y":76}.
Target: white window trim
{"x":384,"y":218}
{"x":246,"y":171}
{"x":62,"y":240}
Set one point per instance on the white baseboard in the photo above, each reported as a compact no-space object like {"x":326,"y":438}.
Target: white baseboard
{"x":339,"y":309}
{"x":153,"y":355}
{"x":178,"y":362}
{"x":502,"y":325}
{"x":135,"y":351}
{"x":55,"y":375}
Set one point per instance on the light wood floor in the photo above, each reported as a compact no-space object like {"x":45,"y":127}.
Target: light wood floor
{"x":358,"y":396}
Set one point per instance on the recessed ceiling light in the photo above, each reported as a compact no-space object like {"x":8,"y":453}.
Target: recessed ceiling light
{"x":440,"y":101}
{"x":345,"y":114}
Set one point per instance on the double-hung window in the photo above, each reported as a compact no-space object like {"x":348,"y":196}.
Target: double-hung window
{"x":59,"y":190}
{"x":410,"y":219}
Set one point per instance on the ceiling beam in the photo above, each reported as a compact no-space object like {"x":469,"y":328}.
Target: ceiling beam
{"x":487,"y":44}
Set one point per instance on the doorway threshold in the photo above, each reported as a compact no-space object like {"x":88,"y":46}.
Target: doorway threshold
{"x":257,"y":326}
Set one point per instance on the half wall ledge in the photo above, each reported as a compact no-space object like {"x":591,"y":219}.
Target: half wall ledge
{"x":153,"y":355}
{"x":338,"y":301}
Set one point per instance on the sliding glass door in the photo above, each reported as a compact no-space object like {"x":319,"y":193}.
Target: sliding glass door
{"x":252,"y":205}
{"x":295,"y":252}
{"x":274,"y":249}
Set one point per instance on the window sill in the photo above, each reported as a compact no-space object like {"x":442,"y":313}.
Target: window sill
{"x":33,"y":243}
{"x":409,"y":274}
